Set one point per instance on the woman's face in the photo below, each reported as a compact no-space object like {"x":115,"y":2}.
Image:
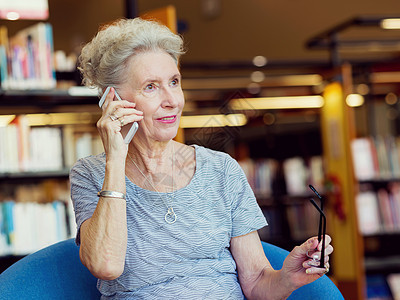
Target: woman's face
{"x":154,"y":84}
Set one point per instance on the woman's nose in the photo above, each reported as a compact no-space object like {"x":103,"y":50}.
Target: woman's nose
{"x":169,"y":97}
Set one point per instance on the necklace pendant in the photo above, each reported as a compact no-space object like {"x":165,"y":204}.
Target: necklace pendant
{"x":170,"y":216}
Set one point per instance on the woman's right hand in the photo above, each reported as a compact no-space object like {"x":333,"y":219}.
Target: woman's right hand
{"x":109,"y":125}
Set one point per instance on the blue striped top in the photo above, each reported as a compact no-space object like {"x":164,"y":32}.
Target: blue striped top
{"x":189,"y":259}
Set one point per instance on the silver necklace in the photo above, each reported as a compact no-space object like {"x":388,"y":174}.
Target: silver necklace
{"x":170,"y":216}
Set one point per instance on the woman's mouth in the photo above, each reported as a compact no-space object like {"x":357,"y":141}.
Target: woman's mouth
{"x":167,"y":119}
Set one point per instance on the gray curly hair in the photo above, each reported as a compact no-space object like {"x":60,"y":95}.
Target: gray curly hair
{"x":103,"y":60}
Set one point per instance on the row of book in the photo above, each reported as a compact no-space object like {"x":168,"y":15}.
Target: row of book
{"x":260,"y":174}
{"x":303,"y":220}
{"x":26,"y":59}
{"x":28,"y":226}
{"x":298,"y":174}
{"x":24,"y":148}
{"x":376,"y":157}
{"x":379,"y":211}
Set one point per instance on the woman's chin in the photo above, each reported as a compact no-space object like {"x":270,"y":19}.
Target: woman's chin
{"x":166,"y":135}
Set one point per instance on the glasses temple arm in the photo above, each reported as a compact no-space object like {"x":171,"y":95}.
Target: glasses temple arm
{"x":315,"y":191}
{"x":322,"y":208}
{"x":322,"y":215}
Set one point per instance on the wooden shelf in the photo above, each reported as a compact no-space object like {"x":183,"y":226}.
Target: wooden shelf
{"x":382,"y":265}
{"x":34,"y":175}
{"x":46,"y":100}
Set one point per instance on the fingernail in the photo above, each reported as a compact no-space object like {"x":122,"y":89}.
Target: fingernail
{"x":308,"y":271}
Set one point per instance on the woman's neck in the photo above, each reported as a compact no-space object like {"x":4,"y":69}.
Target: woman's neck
{"x":151,"y":158}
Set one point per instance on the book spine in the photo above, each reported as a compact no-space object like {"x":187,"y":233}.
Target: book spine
{"x":51,"y":73}
{"x":3,"y":56}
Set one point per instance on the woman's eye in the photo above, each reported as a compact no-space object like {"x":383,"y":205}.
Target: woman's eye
{"x":150,"y":87}
{"x":175,"y":82}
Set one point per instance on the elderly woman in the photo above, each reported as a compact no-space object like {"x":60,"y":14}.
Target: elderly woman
{"x":158,"y":219}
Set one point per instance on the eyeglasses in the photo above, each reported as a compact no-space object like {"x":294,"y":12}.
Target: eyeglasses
{"x":322,"y":224}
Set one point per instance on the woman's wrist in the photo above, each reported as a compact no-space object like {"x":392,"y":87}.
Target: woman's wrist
{"x":272,"y":284}
{"x":284,"y":281}
{"x":115,"y":175}
{"x":116,"y":158}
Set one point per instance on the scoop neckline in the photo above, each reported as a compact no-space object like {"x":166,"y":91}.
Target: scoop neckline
{"x":194,"y":177}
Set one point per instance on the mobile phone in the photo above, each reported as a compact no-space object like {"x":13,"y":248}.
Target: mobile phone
{"x":127,"y":131}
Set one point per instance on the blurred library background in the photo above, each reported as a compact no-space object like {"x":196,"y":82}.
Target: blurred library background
{"x":299,"y":92}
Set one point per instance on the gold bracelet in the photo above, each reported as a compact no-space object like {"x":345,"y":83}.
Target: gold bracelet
{"x":111,"y":194}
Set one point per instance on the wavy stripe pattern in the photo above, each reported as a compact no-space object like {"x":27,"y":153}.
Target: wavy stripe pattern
{"x":189,"y":259}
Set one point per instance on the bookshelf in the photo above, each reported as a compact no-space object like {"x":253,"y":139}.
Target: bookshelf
{"x":45,"y":99}
{"x":361,"y":154}
{"x":43,"y":131}
{"x":36,"y":191}
{"x":35,"y":205}
{"x":43,"y":121}
{"x":377,"y":125}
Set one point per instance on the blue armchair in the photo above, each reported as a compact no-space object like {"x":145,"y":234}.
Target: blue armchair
{"x":56,"y":272}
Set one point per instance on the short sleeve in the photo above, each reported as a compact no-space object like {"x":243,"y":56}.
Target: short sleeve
{"x":246,"y":213}
{"x":83,"y":194}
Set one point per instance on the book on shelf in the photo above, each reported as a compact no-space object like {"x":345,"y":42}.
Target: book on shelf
{"x":29,"y":58}
{"x":79,"y":144}
{"x":384,"y":207}
{"x":298,"y":174}
{"x":368,"y":213}
{"x":394,"y":284}
{"x":303,"y":220}
{"x":30,"y":149}
{"x":71,"y":223}
{"x":376,"y":157}
{"x":316,"y":173}
{"x":379,"y":211}
{"x":7,"y":226}
{"x":45,"y":149}
{"x":3,"y":55}
{"x":30,"y":226}
{"x":394,"y":197}
{"x":25,"y":149}
{"x":34,"y":216}
{"x":23,"y":132}
{"x":364,"y":158}
{"x":260,"y":174}
{"x":9,"y":149}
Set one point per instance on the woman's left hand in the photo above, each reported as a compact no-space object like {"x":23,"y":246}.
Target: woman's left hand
{"x":299,"y":268}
